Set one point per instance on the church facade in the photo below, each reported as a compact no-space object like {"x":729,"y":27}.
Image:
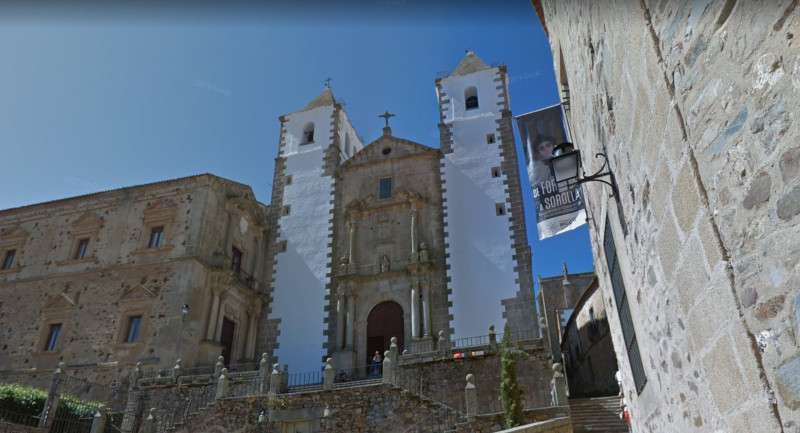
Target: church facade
{"x":395,"y":238}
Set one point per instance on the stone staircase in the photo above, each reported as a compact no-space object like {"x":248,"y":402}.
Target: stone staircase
{"x":600,"y":414}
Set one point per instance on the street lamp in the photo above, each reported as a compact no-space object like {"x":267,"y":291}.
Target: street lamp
{"x":565,"y":165}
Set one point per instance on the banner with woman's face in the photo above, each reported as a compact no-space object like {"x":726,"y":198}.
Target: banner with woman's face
{"x":556,"y":211}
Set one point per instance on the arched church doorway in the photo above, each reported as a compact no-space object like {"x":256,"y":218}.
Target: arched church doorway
{"x":384,"y":322}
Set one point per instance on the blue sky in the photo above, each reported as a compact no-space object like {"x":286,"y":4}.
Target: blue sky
{"x":98,"y":97}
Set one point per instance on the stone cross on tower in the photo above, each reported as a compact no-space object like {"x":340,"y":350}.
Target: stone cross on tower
{"x":386,"y":117}
{"x":328,"y":82}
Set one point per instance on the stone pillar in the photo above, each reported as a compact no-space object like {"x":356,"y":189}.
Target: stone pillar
{"x":351,"y":321}
{"x":327,"y":383}
{"x":415,"y":309}
{"x":426,"y":310}
{"x":132,"y":401}
{"x":275,"y":380}
{"x":212,"y":316}
{"x":441,"y":345}
{"x":388,"y":376}
{"x":558,"y":387}
{"x":150,"y":423}
{"x":219,"y":366}
{"x":99,"y":420}
{"x":176,"y":370}
{"x":222,"y":385}
{"x":263,"y":373}
{"x":492,"y":339}
{"x":340,"y":318}
{"x":393,"y":349}
{"x":51,"y":405}
{"x":471,"y":395}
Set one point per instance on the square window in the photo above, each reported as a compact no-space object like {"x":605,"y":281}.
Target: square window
{"x":500,"y":209}
{"x":52,"y":337}
{"x":282,"y":245}
{"x":385,"y":188}
{"x":156,"y":237}
{"x":83,"y":246}
{"x":236,"y":260}
{"x":288,"y":179}
{"x":134,"y":324}
{"x":9,"y":259}
{"x":495,"y":171}
{"x":286,"y":210}
{"x":489,"y":138}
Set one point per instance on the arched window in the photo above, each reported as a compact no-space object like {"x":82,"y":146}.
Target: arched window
{"x":308,"y":133}
{"x":471,"y":97}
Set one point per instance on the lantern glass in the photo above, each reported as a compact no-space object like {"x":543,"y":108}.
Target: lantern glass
{"x":565,"y":166}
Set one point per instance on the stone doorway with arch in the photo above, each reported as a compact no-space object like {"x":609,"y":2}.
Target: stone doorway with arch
{"x":385,"y":321}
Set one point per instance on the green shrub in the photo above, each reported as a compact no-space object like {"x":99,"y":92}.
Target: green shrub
{"x":22,"y":399}
{"x":509,"y":389}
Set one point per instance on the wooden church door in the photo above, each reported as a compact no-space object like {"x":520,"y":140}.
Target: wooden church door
{"x":384,"y":322}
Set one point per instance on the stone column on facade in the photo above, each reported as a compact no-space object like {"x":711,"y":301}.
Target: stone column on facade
{"x":51,"y":405}
{"x":351,"y":246}
{"x":415,"y":308}
{"x":220,"y":315}
{"x":340,"y":318}
{"x":212,"y":315}
{"x":426,"y":310}
{"x":351,"y":321}
{"x":253,"y":311}
{"x":414,"y":253}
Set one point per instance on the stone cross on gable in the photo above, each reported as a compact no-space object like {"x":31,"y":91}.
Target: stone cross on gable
{"x":328,"y":82}
{"x":386,"y":117}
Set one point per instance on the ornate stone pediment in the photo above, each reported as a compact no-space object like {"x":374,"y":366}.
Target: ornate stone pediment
{"x":88,"y":222}
{"x":61,"y":301}
{"x":13,"y":235}
{"x":160,"y":209}
{"x":137,"y":293}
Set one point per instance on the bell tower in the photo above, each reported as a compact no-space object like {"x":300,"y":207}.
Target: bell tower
{"x":313,"y":143}
{"x":489,"y":261}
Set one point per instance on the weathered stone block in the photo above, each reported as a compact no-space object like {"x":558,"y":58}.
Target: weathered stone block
{"x":691,"y":278}
{"x":686,"y":198}
{"x":669,"y":246}
{"x":724,"y":377}
{"x":759,"y":191}
{"x":712,"y":312}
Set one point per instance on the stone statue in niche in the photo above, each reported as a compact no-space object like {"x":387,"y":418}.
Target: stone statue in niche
{"x":423,"y":252}
{"x":384,"y":263}
{"x":343,"y":265}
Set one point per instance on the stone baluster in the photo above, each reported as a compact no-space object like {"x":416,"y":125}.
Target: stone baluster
{"x":471,"y":396}
{"x":327,"y":383}
{"x":492,"y":339}
{"x":51,"y":405}
{"x":219,"y":366}
{"x":558,"y":387}
{"x":388,"y":376}
{"x":222,"y":385}
{"x":441,"y":345}
{"x":176,"y":371}
{"x":263,"y":373}
{"x":275,"y":380}
{"x":99,"y":420}
{"x":151,"y":422}
{"x":394,"y":350}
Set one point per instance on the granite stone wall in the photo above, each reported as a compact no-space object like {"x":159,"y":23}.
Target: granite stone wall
{"x":694,"y":103}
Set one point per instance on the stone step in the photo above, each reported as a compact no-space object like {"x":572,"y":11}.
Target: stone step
{"x":596,"y":415}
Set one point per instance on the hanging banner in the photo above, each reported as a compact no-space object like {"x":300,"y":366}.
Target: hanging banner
{"x":556,"y":212}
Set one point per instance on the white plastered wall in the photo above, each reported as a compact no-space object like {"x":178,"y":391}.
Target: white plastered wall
{"x":480,"y":247}
{"x":300,"y":272}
